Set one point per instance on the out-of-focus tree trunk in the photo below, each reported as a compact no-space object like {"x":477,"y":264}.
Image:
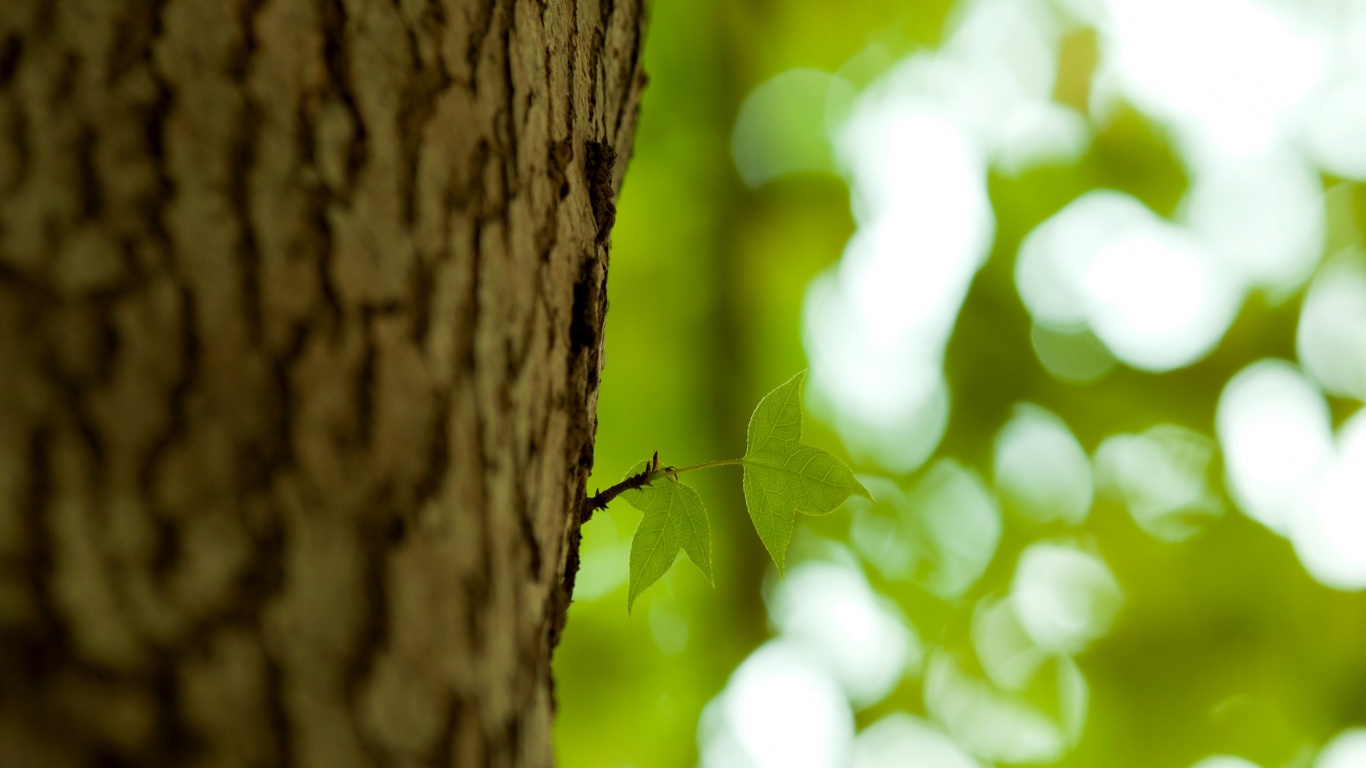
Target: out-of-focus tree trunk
{"x":300,"y":329}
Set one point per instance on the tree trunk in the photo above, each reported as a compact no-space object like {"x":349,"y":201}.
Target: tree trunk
{"x":300,"y":327}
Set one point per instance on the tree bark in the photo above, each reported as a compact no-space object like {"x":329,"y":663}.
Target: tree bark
{"x":300,"y":331}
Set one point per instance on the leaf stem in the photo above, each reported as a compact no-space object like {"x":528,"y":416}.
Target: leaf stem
{"x":671,"y":471}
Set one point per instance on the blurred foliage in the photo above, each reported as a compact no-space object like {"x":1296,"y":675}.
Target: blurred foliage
{"x":1223,"y":643}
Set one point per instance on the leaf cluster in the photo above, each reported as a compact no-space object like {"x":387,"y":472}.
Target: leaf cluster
{"x":782,"y":477}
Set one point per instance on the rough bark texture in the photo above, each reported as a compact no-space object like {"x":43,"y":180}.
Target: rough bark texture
{"x":300,"y":325}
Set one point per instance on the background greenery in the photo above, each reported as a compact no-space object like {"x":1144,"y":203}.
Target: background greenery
{"x":1220,"y":642}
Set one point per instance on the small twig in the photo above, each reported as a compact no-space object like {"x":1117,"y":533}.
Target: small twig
{"x":601,"y":499}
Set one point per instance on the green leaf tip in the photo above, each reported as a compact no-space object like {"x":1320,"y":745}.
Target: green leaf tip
{"x":783,"y":476}
{"x":674,"y":519}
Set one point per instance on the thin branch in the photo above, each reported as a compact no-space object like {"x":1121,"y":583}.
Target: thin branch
{"x":653,"y":471}
{"x":601,"y":499}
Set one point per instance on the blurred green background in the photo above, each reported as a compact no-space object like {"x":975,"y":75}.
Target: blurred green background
{"x":1112,"y":435}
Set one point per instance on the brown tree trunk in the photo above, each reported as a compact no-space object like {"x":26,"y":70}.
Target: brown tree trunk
{"x":300,"y":326}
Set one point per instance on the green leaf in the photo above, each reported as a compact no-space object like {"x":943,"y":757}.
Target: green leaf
{"x":783,"y":476}
{"x":674,"y":519}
